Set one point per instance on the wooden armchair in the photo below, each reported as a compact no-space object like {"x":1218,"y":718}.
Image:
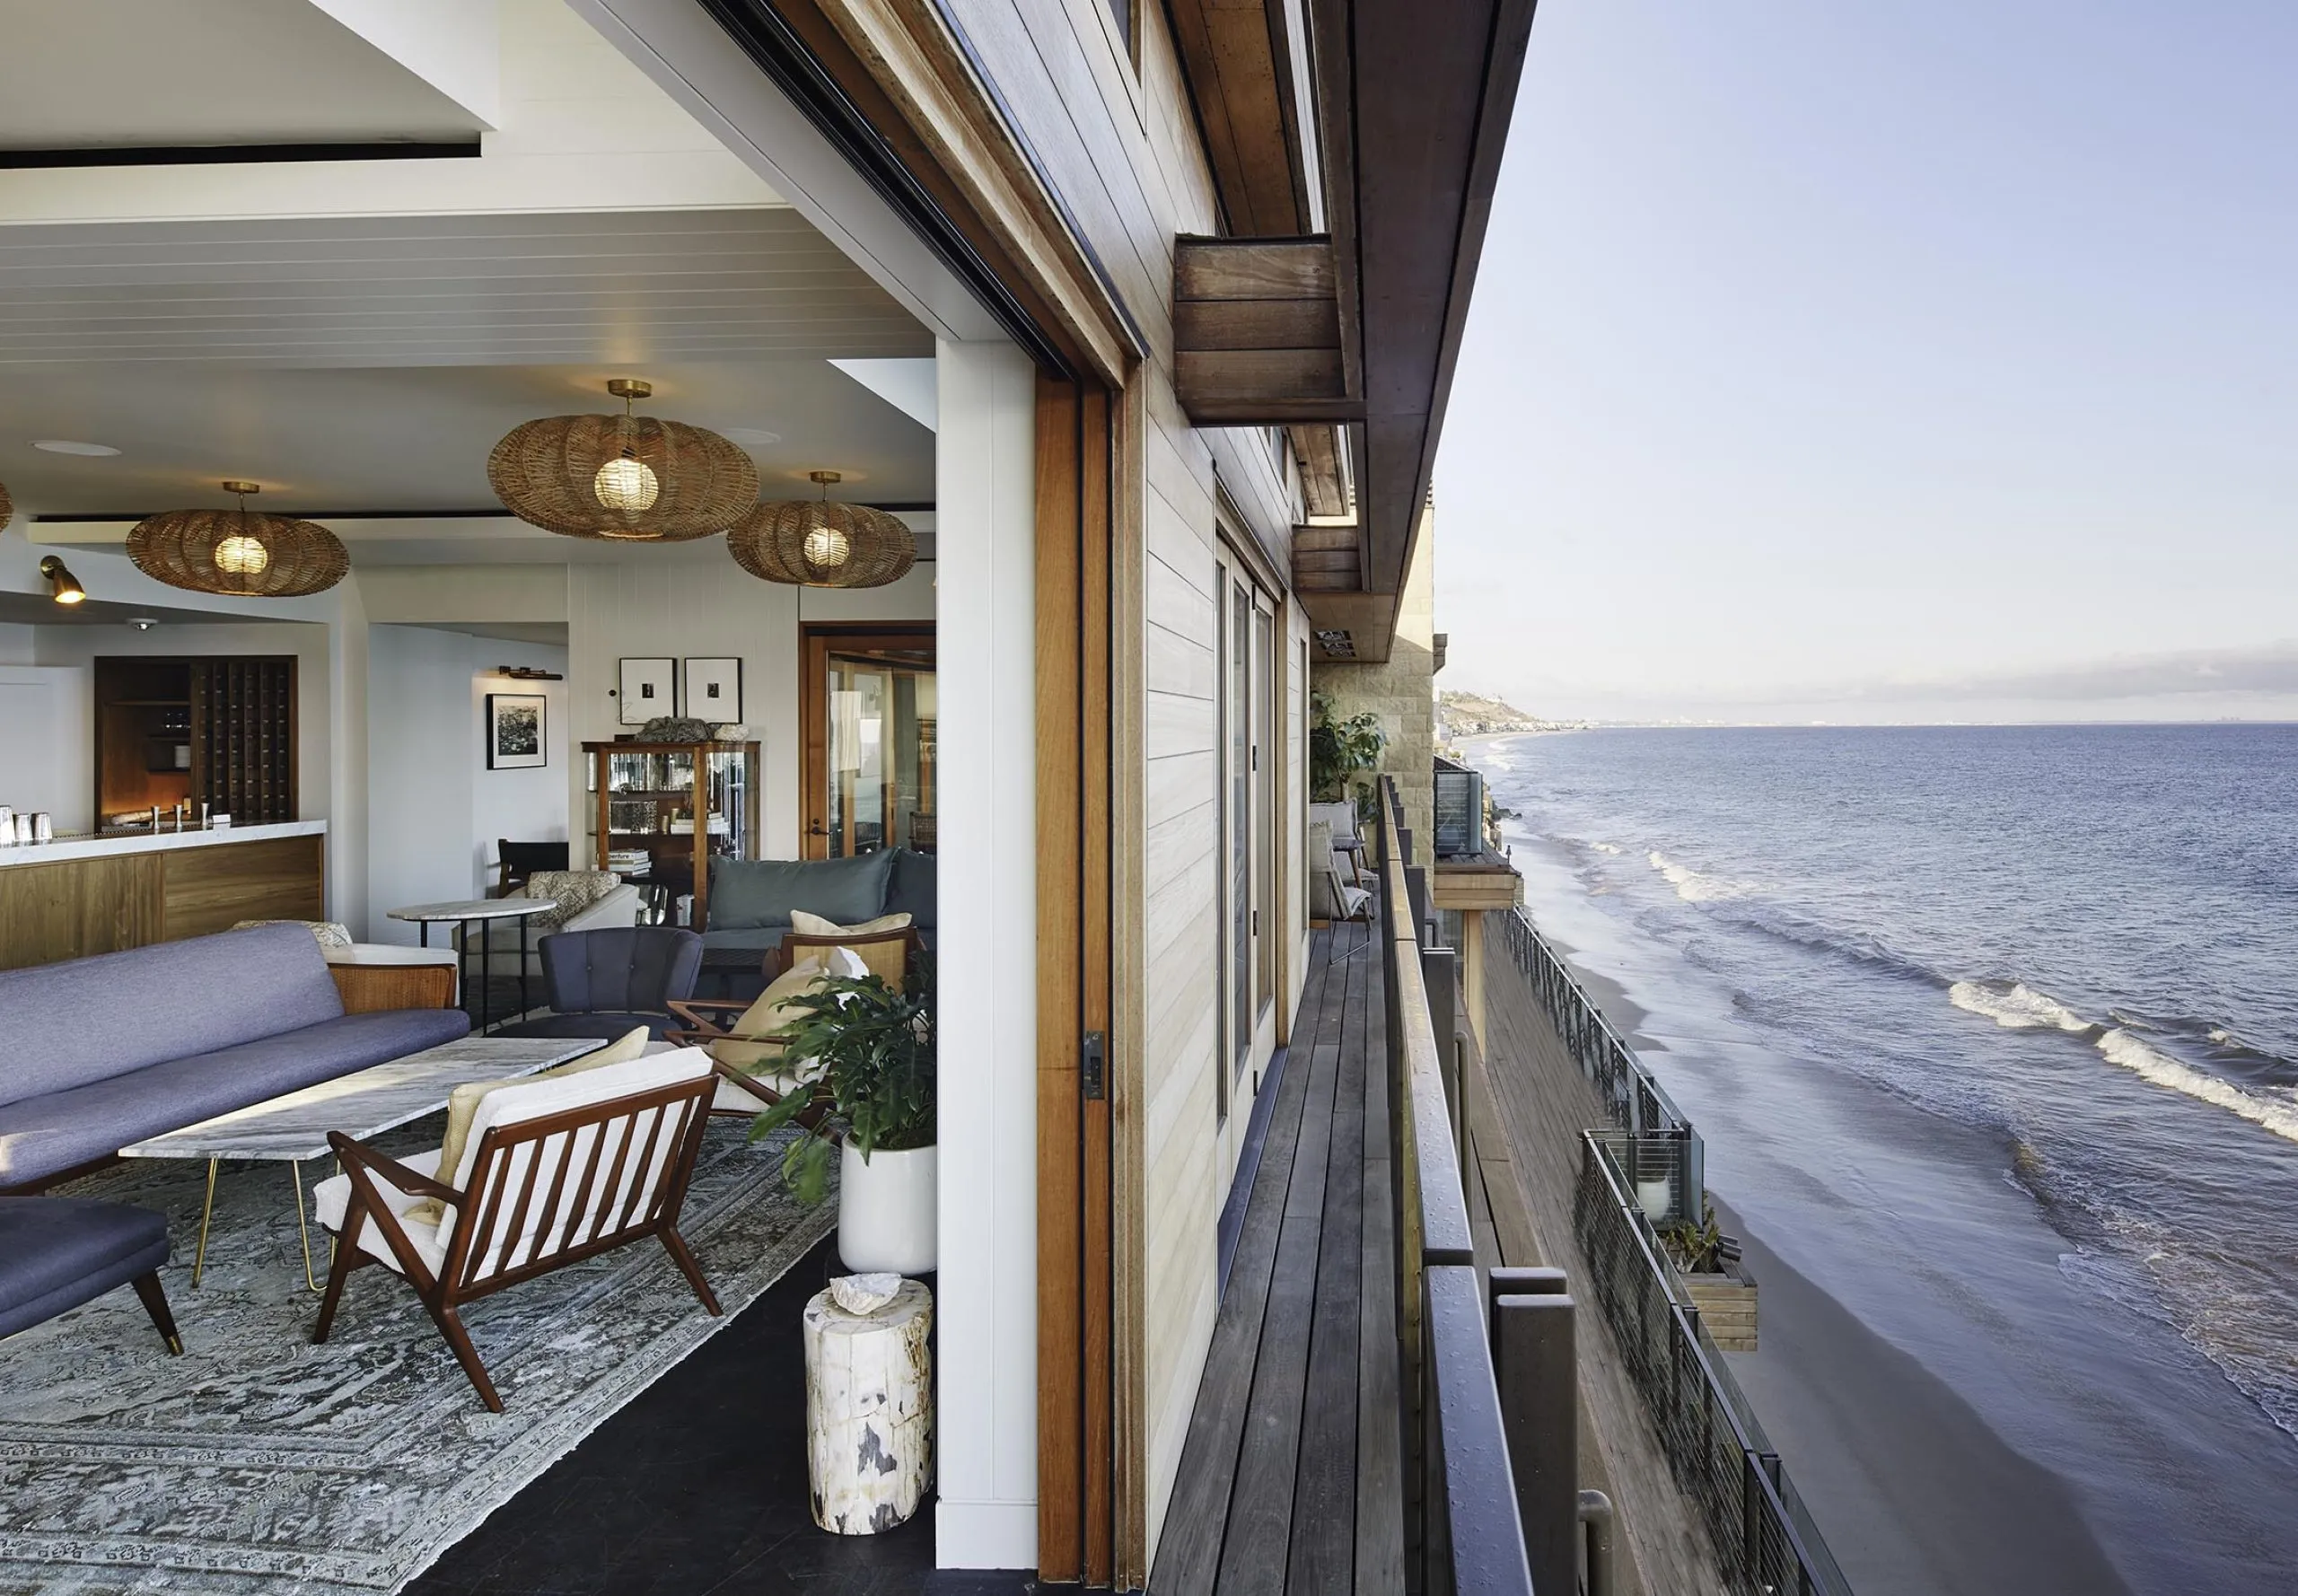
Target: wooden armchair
{"x":886,"y":954}
{"x":560,"y":1170}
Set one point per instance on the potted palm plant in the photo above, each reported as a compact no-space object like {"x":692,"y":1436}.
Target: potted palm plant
{"x":873,"y":1046}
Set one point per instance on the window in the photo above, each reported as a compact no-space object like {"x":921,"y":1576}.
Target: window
{"x":1247,"y":767}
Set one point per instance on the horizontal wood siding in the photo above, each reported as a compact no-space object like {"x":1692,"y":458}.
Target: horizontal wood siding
{"x":1120,"y":146}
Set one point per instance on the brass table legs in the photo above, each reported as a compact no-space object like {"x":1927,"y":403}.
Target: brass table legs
{"x":302,"y":1227}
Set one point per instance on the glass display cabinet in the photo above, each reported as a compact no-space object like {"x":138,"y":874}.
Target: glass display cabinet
{"x":656,"y":826}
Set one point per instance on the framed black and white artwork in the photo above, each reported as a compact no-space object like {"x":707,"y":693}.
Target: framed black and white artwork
{"x":516,"y":731}
{"x":644,"y":690}
{"x":713,"y":690}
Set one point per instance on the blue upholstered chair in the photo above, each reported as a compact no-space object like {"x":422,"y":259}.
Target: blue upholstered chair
{"x":603,"y":983}
{"x":56,"y":1253}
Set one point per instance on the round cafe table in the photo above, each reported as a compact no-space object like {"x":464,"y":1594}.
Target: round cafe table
{"x":477,"y":911}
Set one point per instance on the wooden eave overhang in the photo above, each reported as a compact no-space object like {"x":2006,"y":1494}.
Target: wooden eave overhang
{"x":1412,"y":104}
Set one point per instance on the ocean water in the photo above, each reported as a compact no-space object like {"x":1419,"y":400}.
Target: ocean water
{"x":1993,"y":1034}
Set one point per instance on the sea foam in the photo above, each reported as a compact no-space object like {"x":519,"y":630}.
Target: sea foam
{"x":1690,"y":885}
{"x":2018,"y":1007}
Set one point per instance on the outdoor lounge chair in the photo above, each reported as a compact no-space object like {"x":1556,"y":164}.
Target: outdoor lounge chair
{"x":1335,"y":898}
{"x":555,"y":1168}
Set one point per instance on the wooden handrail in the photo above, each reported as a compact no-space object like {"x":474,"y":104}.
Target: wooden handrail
{"x":1462,"y":1526}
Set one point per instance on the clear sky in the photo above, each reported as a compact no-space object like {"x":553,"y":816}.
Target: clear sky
{"x":1874,"y":360}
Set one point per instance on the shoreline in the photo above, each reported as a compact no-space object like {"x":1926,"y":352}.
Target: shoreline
{"x":1916,"y":1493}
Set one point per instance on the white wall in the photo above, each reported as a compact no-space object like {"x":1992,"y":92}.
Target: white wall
{"x":682,"y":609}
{"x":984,"y":494}
{"x":48,"y":753}
{"x":435,"y":809}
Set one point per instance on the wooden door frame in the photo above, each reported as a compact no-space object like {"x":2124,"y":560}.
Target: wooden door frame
{"x":814,"y":640}
{"x":1083,"y":811}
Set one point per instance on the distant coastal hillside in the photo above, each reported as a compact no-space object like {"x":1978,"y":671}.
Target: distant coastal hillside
{"x":1471,"y":714}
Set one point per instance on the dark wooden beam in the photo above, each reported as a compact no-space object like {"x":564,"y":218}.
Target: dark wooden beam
{"x":1257,"y":332}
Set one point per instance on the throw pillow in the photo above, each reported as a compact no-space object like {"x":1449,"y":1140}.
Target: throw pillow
{"x":574,"y":891}
{"x":463,"y":1105}
{"x":751,"y":1044}
{"x":806,"y":925}
{"x":330,"y":934}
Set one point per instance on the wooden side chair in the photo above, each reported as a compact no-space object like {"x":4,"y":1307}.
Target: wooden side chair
{"x":554,"y":1171}
{"x":885,"y":954}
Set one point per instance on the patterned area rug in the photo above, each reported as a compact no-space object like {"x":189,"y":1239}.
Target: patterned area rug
{"x":258,"y":1464}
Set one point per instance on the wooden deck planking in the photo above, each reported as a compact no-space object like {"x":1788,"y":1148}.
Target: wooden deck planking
{"x":1296,"y":1413}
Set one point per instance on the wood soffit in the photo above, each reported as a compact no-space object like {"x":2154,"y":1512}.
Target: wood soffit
{"x":956,"y":138}
{"x":1239,"y":78}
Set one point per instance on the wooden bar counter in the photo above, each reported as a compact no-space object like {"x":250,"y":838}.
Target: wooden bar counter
{"x":78,"y":895}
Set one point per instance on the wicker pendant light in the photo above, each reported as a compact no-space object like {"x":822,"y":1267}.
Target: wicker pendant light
{"x":627,"y":477}
{"x":240,"y":552}
{"x":7,"y":508}
{"x":814,"y":543}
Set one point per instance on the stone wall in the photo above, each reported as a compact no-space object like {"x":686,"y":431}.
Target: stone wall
{"x":1401,"y":690}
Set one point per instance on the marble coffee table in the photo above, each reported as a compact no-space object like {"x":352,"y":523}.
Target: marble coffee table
{"x":293,"y":1128}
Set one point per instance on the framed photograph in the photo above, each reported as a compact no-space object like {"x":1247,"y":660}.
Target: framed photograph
{"x":645,"y":689}
{"x":713,"y":690}
{"x":515,"y":732}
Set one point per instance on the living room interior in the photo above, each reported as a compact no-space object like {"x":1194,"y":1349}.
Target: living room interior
{"x":346,"y":341}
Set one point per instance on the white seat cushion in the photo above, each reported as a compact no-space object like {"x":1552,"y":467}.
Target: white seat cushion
{"x":331,"y":1199}
{"x":535,"y":1100}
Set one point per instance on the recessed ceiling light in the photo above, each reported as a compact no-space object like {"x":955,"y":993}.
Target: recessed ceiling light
{"x":750,"y":437}
{"x":66,"y":446}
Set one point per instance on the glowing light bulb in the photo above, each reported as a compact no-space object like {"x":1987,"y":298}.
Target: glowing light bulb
{"x":626,"y":484}
{"x":242,"y":555}
{"x":826,"y":548}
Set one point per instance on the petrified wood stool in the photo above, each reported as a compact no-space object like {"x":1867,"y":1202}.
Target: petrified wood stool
{"x":869,"y":1406}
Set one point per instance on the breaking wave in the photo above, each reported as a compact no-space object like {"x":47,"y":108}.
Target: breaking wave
{"x":2126,"y":1050}
{"x":1690,"y":885}
{"x":2017,"y":1007}
{"x":2020,"y":1007}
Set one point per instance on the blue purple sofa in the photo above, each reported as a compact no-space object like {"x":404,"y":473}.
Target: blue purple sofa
{"x":98,"y":1053}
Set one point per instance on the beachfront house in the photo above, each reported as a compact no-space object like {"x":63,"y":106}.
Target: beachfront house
{"x":634,"y":471}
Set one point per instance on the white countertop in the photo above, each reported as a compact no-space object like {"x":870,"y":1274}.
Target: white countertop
{"x":106,"y":847}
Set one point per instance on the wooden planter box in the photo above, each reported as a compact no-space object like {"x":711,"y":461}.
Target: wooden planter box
{"x":1727,"y":1306}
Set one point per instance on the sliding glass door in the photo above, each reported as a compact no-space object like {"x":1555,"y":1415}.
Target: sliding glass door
{"x":870,"y":712}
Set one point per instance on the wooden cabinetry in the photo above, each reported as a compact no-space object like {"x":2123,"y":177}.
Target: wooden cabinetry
{"x":672,"y":805}
{"x":217,"y":730}
{"x":75,"y":908}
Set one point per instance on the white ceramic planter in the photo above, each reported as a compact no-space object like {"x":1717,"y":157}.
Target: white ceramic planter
{"x":887,"y":1210}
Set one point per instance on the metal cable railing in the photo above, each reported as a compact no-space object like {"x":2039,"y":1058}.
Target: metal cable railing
{"x":1763,"y":1534}
{"x":1636,"y":1101}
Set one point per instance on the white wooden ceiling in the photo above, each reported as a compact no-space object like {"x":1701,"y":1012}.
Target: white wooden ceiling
{"x":98,"y":74}
{"x":365,"y":366}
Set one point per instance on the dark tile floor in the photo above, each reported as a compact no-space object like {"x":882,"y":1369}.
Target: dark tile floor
{"x":699,"y":1487}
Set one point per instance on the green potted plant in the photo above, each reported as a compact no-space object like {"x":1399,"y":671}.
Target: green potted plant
{"x":1338,"y":750}
{"x":872,"y":1048}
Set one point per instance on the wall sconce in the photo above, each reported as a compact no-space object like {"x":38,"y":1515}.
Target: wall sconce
{"x":528,"y":672}
{"x":62,"y":585}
